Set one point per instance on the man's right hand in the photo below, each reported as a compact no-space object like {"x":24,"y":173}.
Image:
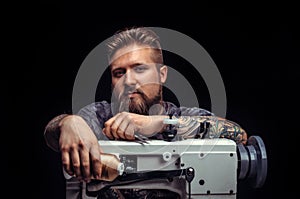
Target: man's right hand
{"x":79,"y":148}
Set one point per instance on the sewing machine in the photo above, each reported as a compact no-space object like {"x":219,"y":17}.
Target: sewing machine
{"x":192,"y":168}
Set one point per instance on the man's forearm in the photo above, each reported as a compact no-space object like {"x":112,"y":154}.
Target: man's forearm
{"x":52,"y":132}
{"x":210,"y":127}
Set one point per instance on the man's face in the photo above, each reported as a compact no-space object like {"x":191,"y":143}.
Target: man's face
{"x":136,"y":81}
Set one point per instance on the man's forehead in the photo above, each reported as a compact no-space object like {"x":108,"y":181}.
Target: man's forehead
{"x":132,"y":55}
{"x":129,"y":50}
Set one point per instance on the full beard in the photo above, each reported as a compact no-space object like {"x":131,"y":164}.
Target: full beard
{"x":140,"y":104}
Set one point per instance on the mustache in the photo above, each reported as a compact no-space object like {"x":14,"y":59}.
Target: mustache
{"x":129,"y":90}
{"x":139,"y":105}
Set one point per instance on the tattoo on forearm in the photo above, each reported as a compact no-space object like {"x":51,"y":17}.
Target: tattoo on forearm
{"x":212,"y":127}
{"x":52,"y":132}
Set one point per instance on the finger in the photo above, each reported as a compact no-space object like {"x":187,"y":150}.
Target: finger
{"x":129,"y":133}
{"x":244,"y":138}
{"x":123,"y":128}
{"x":76,"y":163}
{"x":107,"y":125}
{"x":107,"y":134}
{"x":65,"y":157}
{"x":85,"y":164}
{"x":95,"y":158}
{"x":116,"y":125}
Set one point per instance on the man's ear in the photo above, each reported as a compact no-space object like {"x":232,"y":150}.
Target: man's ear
{"x":163,"y":72}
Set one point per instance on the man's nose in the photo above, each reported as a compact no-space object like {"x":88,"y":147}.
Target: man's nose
{"x":130,"y":78}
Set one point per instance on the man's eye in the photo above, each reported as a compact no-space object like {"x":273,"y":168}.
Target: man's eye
{"x":140,"y":69}
{"x":118,"y":73}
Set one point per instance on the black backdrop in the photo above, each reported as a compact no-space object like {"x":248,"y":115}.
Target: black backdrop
{"x":255,"y":48}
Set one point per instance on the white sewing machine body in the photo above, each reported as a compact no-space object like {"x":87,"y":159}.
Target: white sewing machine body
{"x":214,"y":161}
{"x":193,"y":168}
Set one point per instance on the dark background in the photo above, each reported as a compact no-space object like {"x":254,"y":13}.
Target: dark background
{"x":255,"y":47}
